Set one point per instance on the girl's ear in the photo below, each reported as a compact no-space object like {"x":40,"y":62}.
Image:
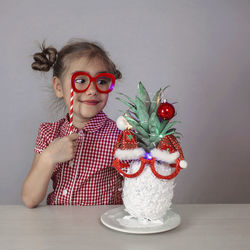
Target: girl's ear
{"x":57,"y":86}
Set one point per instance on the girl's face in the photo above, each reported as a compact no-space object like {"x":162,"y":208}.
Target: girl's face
{"x":89,"y":103}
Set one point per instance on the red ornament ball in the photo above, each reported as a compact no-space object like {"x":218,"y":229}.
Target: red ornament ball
{"x":166,"y":111}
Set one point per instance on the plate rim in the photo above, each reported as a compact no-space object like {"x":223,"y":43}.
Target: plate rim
{"x":146,"y":230}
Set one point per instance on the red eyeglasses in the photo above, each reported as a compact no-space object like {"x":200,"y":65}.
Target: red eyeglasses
{"x":104,"y":82}
{"x":122,"y":168}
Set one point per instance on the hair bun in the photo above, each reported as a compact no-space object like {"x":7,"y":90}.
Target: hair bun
{"x":44,"y":60}
{"x":118,"y":74}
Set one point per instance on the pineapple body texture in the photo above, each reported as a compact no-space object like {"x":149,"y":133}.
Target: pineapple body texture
{"x":146,"y":196}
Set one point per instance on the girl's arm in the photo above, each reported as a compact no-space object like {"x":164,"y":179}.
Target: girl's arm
{"x":36,"y":183}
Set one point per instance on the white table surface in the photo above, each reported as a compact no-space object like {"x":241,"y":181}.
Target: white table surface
{"x":64,"y":227}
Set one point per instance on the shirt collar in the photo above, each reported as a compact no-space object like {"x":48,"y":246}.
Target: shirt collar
{"x":93,"y":125}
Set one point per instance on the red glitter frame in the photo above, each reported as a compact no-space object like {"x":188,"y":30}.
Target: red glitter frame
{"x":92,"y":79}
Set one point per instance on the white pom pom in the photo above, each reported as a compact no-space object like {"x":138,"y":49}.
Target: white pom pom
{"x":183,"y":164}
{"x":121,"y":123}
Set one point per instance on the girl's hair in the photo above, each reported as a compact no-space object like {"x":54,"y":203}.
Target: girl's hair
{"x":50,"y":57}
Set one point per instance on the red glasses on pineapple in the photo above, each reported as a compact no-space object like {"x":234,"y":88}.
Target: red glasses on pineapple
{"x":104,"y":82}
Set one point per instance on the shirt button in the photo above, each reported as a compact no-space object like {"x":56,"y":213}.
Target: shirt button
{"x":64,"y":191}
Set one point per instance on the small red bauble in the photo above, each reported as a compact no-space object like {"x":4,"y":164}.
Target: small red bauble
{"x":166,"y":111}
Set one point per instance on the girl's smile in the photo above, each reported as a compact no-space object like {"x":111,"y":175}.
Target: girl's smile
{"x":90,"y":102}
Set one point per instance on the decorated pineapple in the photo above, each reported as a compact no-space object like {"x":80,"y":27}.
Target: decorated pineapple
{"x":148,"y":155}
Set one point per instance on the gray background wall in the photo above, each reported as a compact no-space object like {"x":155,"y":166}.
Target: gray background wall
{"x":200,"y":48}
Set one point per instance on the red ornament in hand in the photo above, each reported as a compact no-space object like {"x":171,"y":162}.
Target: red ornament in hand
{"x":166,"y":111}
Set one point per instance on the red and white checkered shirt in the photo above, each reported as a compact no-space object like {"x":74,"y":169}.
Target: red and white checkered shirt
{"x":91,"y":180}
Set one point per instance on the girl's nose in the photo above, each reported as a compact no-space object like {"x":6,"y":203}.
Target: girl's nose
{"x":92,"y":89}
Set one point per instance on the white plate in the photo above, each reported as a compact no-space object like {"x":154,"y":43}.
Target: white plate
{"x":115,"y":220}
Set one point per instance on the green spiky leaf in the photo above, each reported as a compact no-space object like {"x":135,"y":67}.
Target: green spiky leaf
{"x":132,"y":121}
{"x":143,"y":95}
{"x":146,"y":141}
{"x":153,"y":103}
{"x":153,"y":145}
{"x":171,"y":130}
{"x":130,"y":99}
{"x":136,"y":126}
{"x":153,"y":137}
{"x":170,"y":124}
{"x":131,"y":106}
{"x":142,"y":113}
{"x":163,"y":124}
{"x":154,"y":124}
{"x":145,"y":147}
{"x":170,"y":133}
{"x":131,"y":114}
{"x":178,"y":133}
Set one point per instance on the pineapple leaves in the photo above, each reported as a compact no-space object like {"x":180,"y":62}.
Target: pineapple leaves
{"x":146,"y":141}
{"x":144,"y":146}
{"x":142,"y":113}
{"x":179,"y":134}
{"x":153,"y":103}
{"x":136,"y":126}
{"x":131,"y":114}
{"x":130,"y":99}
{"x":143,"y":118}
{"x":170,"y":124}
{"x":154,"y":124}
{"x":131,"y":106}
{"x":163,"y":124}
{"x":143,"y":95}
{"x":156,"y":100}
{"x":171,"y":130}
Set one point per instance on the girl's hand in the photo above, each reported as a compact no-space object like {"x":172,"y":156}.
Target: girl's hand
{"x":61,"y":149}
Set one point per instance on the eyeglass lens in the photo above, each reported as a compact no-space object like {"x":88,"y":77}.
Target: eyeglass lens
{"x":103,"y":82}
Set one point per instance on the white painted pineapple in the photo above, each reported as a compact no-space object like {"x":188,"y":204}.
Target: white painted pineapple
{"x":149,"y":157}
{"x":147,"y":196}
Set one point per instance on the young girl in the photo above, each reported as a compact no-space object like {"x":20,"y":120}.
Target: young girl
{"x":79,"y":163}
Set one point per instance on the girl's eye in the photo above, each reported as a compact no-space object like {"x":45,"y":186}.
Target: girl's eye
{"x":80,"y":81}
{"x":102,"y":81}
